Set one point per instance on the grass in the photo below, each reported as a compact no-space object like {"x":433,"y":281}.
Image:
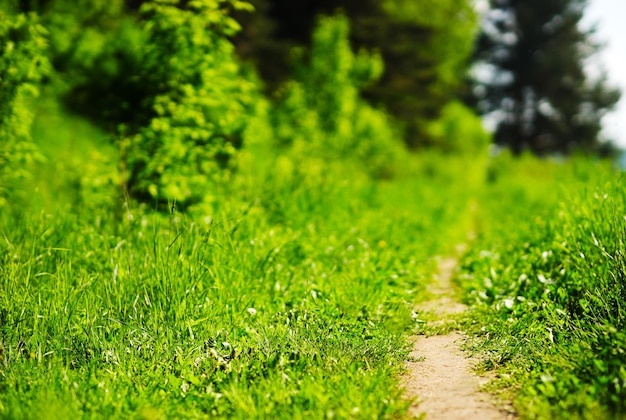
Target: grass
{"x":290,"y":297}
{"x":546,"y":280}
{"x":291,"y":294}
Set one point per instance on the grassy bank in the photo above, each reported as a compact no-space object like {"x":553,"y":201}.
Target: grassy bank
{"x":546,"y":281}
{"x":291,"y":296}
{"x":290,"y":293}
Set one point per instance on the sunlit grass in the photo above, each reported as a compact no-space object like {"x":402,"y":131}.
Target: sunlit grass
{"x":289,"y":295}
{"x":546,"y":280}
{"x":291,"y":292}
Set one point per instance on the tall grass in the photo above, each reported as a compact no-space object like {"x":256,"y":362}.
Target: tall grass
{"x":289,"y":295}
{"x":546,"y":277}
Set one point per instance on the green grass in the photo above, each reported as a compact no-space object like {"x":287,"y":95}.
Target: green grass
{"x":290,"y":296}
{"x":546,"y":278}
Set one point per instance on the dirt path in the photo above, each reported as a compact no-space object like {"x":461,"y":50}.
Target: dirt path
{"x":440,"y":374}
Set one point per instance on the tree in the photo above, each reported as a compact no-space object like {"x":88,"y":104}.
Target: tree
{"x":532,"y":77}
{"x":425,"y":46}
{"x":321,"y":112}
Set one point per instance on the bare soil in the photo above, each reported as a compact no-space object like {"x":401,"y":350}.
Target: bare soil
{"x":440,"y":375}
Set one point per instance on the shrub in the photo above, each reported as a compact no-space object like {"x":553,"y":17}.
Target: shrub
{"x":200,"y":107}
{"x":321,"y":112}
{"x":459,"y":130}
{"x":22,"y":66}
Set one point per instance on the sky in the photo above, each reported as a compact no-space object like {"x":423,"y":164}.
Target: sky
{"x":609,"y":17}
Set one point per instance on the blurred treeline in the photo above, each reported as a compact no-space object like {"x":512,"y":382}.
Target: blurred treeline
{"x":425,"y":46}
{"x":181,"y":87}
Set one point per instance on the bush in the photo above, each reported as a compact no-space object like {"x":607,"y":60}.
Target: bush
{"x":459,"y":130}
{"x":200,"y":107}
{"x":22,"y":66}
{"x":321,"y":112}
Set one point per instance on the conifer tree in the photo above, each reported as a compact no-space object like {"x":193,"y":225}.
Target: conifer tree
{"x":533,"y":79}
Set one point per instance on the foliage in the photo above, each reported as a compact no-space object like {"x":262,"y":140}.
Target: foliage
{"x":321,"y":112}
{"x":196,"y":120}
{"x":176,"y":135}
{"x":96,"y":47}
{"x":78,"y":30}
{"x":422,"y":81}
{"x":546,"y":279}
{"x":460,"y":135}
{"x":425,"y":46}
{"x":534,"y":79}
{"x":459,"y":130}
{"x":453,"y":24}
{"x":105,"y":83}
{"x":22,"y":66}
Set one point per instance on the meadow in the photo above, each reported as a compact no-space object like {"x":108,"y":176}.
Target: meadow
{"x":295,"y":297}
{"x":192,"y":247}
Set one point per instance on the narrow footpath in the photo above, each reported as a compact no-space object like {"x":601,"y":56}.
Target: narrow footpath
{"x":440,"y":374}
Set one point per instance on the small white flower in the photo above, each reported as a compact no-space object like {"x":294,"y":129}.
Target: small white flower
{"x":252,"y":311}
{"x":508,"y":303}
{"x":544,"y":280}
{"x":184,"y":387}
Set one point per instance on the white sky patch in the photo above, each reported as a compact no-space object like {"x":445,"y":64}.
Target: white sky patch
{"x":609,"y":16}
